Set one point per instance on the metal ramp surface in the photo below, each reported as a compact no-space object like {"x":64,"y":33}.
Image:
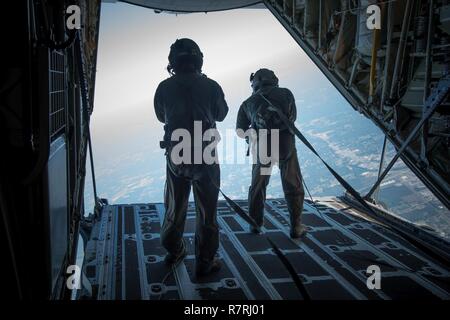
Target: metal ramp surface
{"x":124,"y":258}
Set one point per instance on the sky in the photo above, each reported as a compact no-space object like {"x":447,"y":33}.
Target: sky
{"x":132,"y":58}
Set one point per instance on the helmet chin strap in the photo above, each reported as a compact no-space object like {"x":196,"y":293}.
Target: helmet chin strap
{"x":255,"y":88}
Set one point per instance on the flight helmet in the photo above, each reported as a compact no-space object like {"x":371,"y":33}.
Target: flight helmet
{"x":185,"y":56}
{"x":263,"y":77}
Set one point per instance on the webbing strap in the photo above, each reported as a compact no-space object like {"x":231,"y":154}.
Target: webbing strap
{"x":293,"y":129}
{"x":246,"y":217}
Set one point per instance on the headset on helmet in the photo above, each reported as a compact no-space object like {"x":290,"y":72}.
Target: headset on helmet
{"x":263,"y":77}
{"x":183,"y":50}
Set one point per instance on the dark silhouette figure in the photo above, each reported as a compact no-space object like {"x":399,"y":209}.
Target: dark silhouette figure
{"x":185,"y":97}
{"x":255,"y":113}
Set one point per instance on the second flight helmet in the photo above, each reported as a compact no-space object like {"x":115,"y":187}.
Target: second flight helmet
{"x":185,"y":54}
{"x":263,"y":77}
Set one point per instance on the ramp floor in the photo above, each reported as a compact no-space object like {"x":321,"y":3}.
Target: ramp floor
{"x":124,"y":258}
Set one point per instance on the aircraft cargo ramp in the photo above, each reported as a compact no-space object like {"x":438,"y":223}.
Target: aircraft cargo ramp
{"x":124,"y":257}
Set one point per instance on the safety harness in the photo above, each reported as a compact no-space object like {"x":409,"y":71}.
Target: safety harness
{"x":293,"y":129}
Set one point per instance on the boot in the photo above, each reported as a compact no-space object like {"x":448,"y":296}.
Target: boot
{"x":205,"y":268}
{"x":255,"y":230}
{"x":173,"y":259}
{"x":298,"y":231}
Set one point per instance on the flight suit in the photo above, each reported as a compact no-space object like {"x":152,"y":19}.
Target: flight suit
{"x":179,"y":101}
{"x":291,"y":177}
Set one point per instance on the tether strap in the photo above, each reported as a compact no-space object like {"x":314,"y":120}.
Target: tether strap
{"x":293,"y":129}
{"x":246,"y":217}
